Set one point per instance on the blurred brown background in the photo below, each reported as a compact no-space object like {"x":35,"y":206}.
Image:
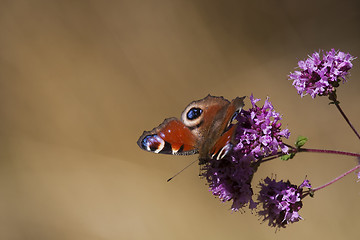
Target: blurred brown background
{"x":81,"y":80}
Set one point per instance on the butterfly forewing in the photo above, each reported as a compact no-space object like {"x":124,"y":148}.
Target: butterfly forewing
{"x":171,"y":137}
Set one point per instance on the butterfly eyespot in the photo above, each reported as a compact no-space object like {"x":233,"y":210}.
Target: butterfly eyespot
{"x":153,"y":143}
{"x":194,"y":113}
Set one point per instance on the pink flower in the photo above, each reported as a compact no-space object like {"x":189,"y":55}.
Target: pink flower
{"x":320,"y":76}
{"x":281,"y":202}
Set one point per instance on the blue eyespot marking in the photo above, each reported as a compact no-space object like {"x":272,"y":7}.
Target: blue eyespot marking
{"x":194,"y":113}
{"x":152,"y":143}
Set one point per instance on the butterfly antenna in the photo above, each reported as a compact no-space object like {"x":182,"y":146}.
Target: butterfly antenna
{"x":182,"y":170}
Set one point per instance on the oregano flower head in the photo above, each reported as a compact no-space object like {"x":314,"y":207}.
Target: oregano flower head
{"x":281,"y":202}
{"x":320,"y":75}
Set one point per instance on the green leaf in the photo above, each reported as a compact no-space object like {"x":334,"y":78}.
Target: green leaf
{"x":300,"y":141}
{"x":336,"y":103}
{"x":333,"y":98}
{"x":287,"y":156}
{"x":311,"y":193}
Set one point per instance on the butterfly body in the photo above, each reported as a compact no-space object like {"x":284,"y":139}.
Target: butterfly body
{"x":205,"y":127}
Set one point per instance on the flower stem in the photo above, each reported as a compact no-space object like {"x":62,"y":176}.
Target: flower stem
{"x":346,"y":119}
{"x":329,"y":151}
{"x":295,"y":150}
{"x":277,"y":155}
{"x":336,"y":179}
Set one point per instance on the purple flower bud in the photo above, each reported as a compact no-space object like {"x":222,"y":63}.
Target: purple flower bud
{"x":281,"y":202}
{"x":259,"y":132}
{"x":320,"y":77}
{"x":230,"y":179}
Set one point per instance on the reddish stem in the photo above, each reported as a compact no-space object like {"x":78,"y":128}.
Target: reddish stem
{"x":346,"y":119}
{"x":329,"y":151}
{"x":294,"y":150}
{"x":336,"y":179}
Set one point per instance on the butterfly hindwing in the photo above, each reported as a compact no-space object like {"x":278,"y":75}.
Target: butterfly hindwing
{"x":225,"y":142}
{"x":171,"y":137}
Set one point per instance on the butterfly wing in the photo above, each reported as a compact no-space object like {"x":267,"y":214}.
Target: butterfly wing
{"x":170,"y":137}
{"x":225,"y":142}
{"x":205,"y":128}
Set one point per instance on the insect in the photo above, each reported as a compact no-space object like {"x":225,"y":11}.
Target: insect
{"x":206,"y":126}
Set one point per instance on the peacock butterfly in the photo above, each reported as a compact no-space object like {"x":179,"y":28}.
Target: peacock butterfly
{"x":207,"y":127}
